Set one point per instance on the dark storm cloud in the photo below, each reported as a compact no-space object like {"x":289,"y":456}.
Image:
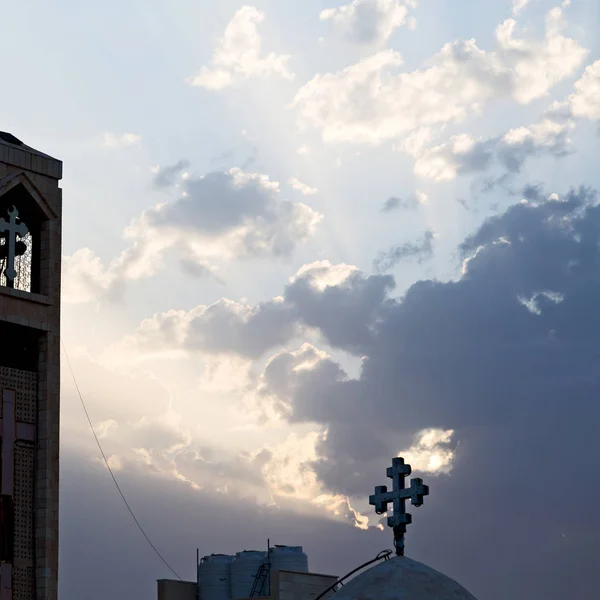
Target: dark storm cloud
{"x":533,"y":192}
{"x":457,"y":326}
{"x":421,"y":250}
{"x":346,"y":314}
{"x":508,"y":357}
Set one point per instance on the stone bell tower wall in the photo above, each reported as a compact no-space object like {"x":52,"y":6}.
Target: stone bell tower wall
{"x":30,"y":371}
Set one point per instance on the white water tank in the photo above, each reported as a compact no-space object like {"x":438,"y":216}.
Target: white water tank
{"x":214,"y":575}
{"x":244,"y":569}
{"x":288,"y":558}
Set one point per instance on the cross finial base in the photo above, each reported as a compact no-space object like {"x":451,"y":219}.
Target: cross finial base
{"x":399,"y":540}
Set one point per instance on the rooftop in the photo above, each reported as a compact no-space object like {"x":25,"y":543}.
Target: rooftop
{"x":14,"y":152}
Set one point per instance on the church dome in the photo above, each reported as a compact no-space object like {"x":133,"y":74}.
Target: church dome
{"x":401,"y":578}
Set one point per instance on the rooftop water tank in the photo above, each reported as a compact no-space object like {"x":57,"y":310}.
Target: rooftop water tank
{"x":214,"y":577}
{"x":288,"y":558}
{"x":244,"y":569}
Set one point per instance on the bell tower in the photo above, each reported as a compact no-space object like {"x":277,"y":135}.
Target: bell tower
{"x":30,"y":256}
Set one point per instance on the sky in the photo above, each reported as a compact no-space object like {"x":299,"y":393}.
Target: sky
{"x":302,"y":238}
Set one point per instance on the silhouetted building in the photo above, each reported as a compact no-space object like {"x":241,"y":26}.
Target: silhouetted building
{"x":30,"y":255}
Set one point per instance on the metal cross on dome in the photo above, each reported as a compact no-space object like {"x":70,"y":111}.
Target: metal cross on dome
{"x":398,"y":497}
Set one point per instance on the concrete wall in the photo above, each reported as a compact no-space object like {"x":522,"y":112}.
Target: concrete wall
{"x":172,"y":589}
{"x":289,"y":585}
{"x":285,"y":585}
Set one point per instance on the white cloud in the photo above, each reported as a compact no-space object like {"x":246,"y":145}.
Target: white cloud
{"x":289,"y":474}
{"x":303,"y":150}
{"x":279,"y":474}
{"x":432,"y":451}
{"x":466,"y":154}
{"x":445,"y":161}
{"x":544,"y":137}
{"x":169,"y":175}
{"x":543,"y":134}
{"x":549,"y":136}
{"x":138,"y":394}
{"x":115,"y":463}
{"x":145,"y":430}
{"x":302,"y":187}
{"x":421,"y":196}
{"x":532,"y":304}
{"x":519,"y":5}
{"x":104,"y":428}
{"x":84,"y":277}
{"x":248,"y":220}
{"x":373,"y":101}
{"x":225,"y":373}
{"x":222,"y":329}
{"x":218,"y":217}
{"x":323,"y":274}
{"x":114,"y":140}
{"x":238,"y":54}
{"x":368,"y":21}
{"x":230,"y":328}
{"x":585,"y":101}
{"x":538,"y":66}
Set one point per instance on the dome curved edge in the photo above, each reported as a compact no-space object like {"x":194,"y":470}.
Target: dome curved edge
{"x":402,"y":578}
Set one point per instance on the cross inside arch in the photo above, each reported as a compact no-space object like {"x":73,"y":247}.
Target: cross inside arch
{"x":398,"y":497}
{"x":12,"y":229}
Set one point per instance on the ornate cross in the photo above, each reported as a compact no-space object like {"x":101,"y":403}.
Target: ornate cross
{"x":12,"y":431}
{"x":13,"y":230}
{"x":400,"y":494}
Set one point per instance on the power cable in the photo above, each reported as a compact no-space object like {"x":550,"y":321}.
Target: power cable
{"x":111,"y":471}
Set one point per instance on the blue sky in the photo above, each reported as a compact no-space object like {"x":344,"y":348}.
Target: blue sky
{"x":247,"y":319}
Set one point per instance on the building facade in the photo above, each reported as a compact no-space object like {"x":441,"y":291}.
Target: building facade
{"x":30,"y":258}
{"x":285,"y":585}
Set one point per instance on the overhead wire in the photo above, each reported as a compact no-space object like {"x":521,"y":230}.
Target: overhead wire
{"x":87,"y":414}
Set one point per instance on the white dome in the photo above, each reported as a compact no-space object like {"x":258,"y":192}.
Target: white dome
{"x":401,"y":578}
